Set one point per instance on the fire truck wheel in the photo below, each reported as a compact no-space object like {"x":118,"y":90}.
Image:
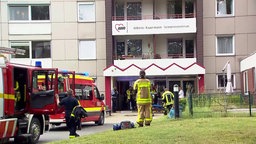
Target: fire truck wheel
{"x":101,"y":119}
{"x":35,"y":128}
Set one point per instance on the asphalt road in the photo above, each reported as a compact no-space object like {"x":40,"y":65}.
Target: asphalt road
{"x":61,"y":132}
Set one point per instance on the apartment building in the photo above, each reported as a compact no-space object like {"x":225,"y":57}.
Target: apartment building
{"x":163,"y":37}
{"x":67,"y":34}
{"x":229,"y":34}
{"x":184,"y":42}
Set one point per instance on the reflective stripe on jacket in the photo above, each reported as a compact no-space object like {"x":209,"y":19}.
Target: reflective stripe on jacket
{"x":78,"y":112}
{"x":168,"y":97}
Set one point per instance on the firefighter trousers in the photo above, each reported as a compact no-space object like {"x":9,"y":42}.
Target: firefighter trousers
{"x":144,"y":114}
{"x":71,"y":124}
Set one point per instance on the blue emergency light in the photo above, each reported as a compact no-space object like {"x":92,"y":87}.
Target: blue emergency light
{"x":38,"y":64}
{"x":64,"y":71}
{"x":83,"y":73}
{"x":86,"y":74}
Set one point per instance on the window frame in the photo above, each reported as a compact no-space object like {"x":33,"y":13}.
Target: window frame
{"x":29,"y":44}
{"x":138,"y":16}
{"x":22,"y":43}
{"x":29,"y":7}
{"x":224,"y":15}
{"x":180,"y":51}
{"x":80,"y":52}
{"x":130,"y":52}
{"x":184,"y":53}
{"x":233,"y":79}
{"x":94,"y":11}
{"x":233,"y":46}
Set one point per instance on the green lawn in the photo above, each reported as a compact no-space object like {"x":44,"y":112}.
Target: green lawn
{"x":219,"y":130}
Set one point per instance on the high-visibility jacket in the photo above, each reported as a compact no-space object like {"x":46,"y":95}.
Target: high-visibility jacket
{"x":143,"y":91}
{"x":17,"y":91}
{"x":128,"y":93}
{"x":168,"y":98}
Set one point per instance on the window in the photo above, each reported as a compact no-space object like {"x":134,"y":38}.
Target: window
{"x":41,"y":49}
{"x":175,"y":47}
{"x":134,"y":10}
{"x":120,"y":49}
{"x":222,"y":81}
{"x":134,"y":47}
{"x":225,"y":45}
{"x":87,"y":49}
{"x":189,"y":8}
{"x":86,"y":11}
{"x":189,"y":48}
{"x":40,"y":12}
{"x":174,"y":8}
{"x":119,"y":10}
{"x":225,"y":7}
{"x":21,"y":45}
{"x":34,"y":49}
{"x":83,"y":92}
{"x":96,"y":92}
{"x":42,"y":80}
{"x":29,"y":12}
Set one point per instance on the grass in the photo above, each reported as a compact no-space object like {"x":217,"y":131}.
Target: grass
{"x":217,"y":130}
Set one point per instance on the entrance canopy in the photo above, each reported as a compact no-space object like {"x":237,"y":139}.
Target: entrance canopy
{"x":155,"y":67}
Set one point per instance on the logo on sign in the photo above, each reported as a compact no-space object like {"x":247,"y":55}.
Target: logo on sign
{"x":119,"y":27}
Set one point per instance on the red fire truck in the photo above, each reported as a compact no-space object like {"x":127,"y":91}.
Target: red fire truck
{"x":89,"y":97}
{"x":24,"y":108}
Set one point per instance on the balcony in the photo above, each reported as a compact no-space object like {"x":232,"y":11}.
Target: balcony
{"x":155,"y":17}
{"x":154,"y":56}
{"x":153,"y":24}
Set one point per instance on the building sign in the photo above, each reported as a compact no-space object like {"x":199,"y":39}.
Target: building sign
{"x":165,"y":26}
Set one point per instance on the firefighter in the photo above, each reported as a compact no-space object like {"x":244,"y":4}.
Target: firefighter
{"x":69,"y":103}
{"x":130,"y":99}
{"x":20,"y":90}
{"x":17,"y":95}
{"x":144,"y":100}
{"x":168,"y":100}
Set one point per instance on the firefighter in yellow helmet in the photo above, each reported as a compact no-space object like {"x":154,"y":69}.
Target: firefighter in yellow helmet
{"x":144,"y":100}
{"x":168,"y":100}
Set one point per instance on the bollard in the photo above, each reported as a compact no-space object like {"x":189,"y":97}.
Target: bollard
{"x":176,"y":100}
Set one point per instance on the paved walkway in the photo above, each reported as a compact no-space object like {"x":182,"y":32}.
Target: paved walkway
{"x":126,"y":115}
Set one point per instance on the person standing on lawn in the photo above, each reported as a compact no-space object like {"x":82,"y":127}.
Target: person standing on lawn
{"x":143,"y":99}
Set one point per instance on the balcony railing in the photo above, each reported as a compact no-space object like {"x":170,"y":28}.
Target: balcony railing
{"x":156,"y":16}
{"x":154,"y":56}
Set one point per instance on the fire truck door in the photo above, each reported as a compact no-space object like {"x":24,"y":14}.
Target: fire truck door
{"x":43,"y":101}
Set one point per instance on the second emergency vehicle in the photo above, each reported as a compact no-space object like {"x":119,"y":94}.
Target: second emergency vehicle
{"x":88,"y":96}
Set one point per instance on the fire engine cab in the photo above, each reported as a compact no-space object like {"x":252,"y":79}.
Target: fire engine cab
{"x":24,"y":107}
{"x":88,"y":96}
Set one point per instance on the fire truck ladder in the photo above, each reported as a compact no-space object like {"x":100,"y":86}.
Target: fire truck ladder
{"x":13,"y":51}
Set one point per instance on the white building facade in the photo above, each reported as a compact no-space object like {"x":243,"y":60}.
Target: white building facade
{"x":163,"y":37}
{"x":67,"y":34}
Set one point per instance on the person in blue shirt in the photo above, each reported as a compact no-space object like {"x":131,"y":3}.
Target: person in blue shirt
{"x":114,"y":96}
